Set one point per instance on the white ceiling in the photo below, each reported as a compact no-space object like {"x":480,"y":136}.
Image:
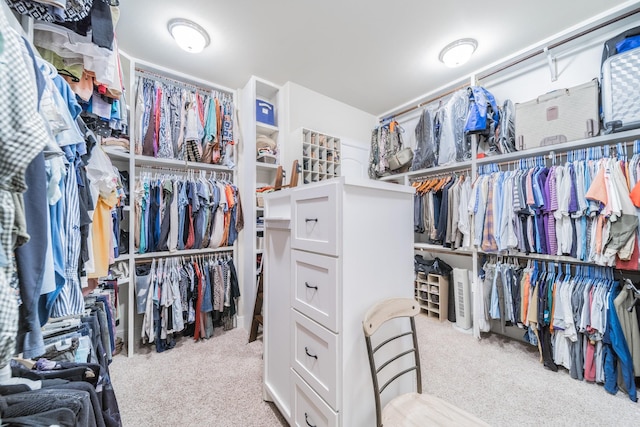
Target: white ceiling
{"x":374,"y":55}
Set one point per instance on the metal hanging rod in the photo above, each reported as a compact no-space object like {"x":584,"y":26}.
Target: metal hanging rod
{"x":440,"y":175}
{"x":182,"y":171}
{"x":177,"y":254}
{"x":613,"y":151}
{"x":425,"y":103}
{"x":159,"y":77}
{"x":559,"y":43}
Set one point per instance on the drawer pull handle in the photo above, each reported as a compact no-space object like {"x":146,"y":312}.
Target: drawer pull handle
{"x":309,"y":286}
{"x":311,"y":220}
{"x":306,"y":350}
{"x":306,"y":420}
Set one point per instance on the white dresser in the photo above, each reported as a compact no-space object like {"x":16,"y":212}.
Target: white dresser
{"x":332,"y":250}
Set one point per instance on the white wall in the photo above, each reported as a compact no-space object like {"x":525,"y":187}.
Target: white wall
{"x":313,"y":110}
{"x":305,"y":108}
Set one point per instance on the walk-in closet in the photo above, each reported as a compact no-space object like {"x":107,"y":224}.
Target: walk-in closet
{"x":319,"y":213}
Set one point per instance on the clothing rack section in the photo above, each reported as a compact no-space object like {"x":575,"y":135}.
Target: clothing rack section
{"x":581,"y":318}
{"x":56,"y":203}
{"x":71,"y":376}
{"x":440,"y":210}
{"x":60,"y":193}
{"x":177,"y":120}
{"x":582,"y":208}
{"x":440,"y":138}
{"x":89,"y":62}
{"x":186,"y":296}
{"x":174,"y":82}
{"x":185,"y":210}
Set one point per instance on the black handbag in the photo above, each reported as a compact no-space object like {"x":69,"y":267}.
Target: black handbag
{"x":123,"y":243}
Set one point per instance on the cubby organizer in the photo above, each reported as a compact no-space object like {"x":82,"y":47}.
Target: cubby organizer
{"x":432,"y":292}
{"x":320,"y":156}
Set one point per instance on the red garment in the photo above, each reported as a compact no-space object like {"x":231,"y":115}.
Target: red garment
{"x":198,"y":320}
{"x":191,"y":237}
{"x":632,"y":264}
{"x":590,"y":354}
{"x":158,"y":113}
{"x":635,"y":195}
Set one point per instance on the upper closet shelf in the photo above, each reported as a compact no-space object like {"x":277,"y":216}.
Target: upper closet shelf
{"x":267,"y":166}
{"x":266,"y":129}
{"x":627,"y":136}
{"x":614,"y":138}
{"x":177,"y":164}
{"x":429,"y":247}
{"x":431,"y":171}
{"x":116,"y":153}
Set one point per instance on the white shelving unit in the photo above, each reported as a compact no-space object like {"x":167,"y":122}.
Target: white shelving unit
{"x":257,"y":172}
{"x":134,"y":164}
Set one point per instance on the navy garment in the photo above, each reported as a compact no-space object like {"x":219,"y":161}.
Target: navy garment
{"x":98,"y":23}
{"x":541,"y":177}
{"x":30,"y":259}
{"x":617,"y":352}
{"x":199,"y":207}
{"x":437,"y":202}
{"x":233,"y":233}
{"x":235,"y":287}
{"x":418,"y":216}
{"x":153,"y":234}
{"x":444,"y":211}
{"x":165,"y":221}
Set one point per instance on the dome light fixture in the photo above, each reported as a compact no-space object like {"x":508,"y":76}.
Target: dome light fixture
{"x":188,"y":35}
{"x":458,"y":52}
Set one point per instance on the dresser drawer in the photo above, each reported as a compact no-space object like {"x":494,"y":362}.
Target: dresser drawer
{"x":315,"y":213}
{"x":315,"y":357}
{"x":308,"y":408}
{"x":315,"y":287}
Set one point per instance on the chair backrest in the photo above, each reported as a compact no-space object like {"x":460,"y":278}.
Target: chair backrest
{"x":375,"y":318}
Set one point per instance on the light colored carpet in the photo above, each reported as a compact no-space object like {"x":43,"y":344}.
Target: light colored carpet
{"x":215,"y":382}
{"x":218,"y":382}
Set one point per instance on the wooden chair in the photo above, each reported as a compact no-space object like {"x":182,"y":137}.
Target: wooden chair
{"x":401,"y":357}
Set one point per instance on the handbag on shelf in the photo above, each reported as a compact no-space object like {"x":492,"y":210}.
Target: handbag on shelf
{"x":401,"y":161}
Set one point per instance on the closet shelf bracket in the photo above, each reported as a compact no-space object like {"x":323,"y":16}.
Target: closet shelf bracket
{"x":551,"y":61}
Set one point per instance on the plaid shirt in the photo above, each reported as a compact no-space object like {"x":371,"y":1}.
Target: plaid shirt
{"x":22,"y":136}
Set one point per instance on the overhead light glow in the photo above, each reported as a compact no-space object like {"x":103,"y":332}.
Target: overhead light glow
{"x":189,"y":35}
{"x":457,"y":53}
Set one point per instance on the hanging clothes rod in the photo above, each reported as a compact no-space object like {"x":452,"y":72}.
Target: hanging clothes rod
{"x":159,"y":77}
{"x":457,"y":172}
{"x":183,"y":171}
{"x":559,"y":43}
{"x":177,"y":254}
{"x":613,"y":152}
{"x":424,"y":103}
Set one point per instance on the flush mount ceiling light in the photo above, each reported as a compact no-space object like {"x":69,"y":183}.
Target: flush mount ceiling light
{"x":457,"y":53}
{"x":189,"y":35}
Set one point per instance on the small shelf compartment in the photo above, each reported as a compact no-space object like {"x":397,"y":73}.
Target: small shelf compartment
{"x":320,"y":156}
{"x":432,"y":293}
